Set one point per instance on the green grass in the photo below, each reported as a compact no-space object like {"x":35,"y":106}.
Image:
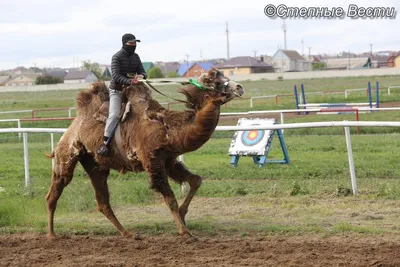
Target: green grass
{"x":311,"y":194}
{"x":318,"y":170}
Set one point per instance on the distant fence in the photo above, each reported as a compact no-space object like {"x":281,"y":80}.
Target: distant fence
{"x":244,"y":77}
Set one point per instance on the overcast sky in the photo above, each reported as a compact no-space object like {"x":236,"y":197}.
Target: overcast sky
{"x":53,"y":33}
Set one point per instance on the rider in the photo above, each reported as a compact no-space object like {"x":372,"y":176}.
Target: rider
{"x":123,"y":62}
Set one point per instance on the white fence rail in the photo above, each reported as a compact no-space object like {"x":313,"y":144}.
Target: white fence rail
{"x":345,"y":124}
{"x":392,"y":87}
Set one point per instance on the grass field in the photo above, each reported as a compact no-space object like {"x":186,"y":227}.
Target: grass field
{"x":311,"y":194}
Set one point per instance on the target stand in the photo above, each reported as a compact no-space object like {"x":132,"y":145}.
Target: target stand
{"x":256,"y":143}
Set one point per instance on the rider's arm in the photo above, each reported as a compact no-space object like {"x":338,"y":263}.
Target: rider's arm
{"x":116,"y":71}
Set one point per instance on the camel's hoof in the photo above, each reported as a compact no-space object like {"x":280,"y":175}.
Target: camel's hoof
{"x":51,"y":236}
{"x":188,"y":239}
{"x":127,"y":235}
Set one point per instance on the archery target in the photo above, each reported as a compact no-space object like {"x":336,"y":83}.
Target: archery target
{"x":251,"y":142}
{"x":251,"y":138}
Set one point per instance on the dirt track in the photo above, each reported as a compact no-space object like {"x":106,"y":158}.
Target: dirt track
{"x":36,"y":250}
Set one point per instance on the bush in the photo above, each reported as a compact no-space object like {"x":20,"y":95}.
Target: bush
{"x":46,"y":79}
{"x":173,"y":74}
{"x":155,"y":72}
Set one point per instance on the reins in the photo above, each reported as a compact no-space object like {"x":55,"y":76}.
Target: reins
{"x":191,"y":81}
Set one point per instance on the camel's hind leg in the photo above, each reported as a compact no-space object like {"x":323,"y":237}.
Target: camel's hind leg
{"x":159,"y":182}
{"x":98,"y":178}
{"x":178,"y":172}
{"x":64,"y":166}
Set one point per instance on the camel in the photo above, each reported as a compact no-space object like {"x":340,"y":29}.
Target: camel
{"x":149,"y":138}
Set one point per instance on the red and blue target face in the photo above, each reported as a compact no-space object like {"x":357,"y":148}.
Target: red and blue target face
{"x":251,"y":138}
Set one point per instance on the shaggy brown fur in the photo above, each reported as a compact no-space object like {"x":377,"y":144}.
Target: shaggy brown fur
{"x":149,"y":139}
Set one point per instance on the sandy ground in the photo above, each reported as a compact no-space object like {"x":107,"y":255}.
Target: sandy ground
{"x":310,"y":250}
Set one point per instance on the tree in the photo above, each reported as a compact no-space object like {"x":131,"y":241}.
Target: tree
{"x":173,"y":74}
{"x":47,"y":79}
{"x":93,"y":67}
{"x":155,"y":72}
{"x":318,"y":65}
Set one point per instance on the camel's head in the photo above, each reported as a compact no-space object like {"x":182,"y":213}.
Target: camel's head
{"x":212,"y":86}
{"x":221,"y":85}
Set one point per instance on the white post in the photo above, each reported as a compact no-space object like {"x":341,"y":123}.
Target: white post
{"x":19,"y":126}
{"x":184,"y":185}
{"x":69,"y":113}
{"x":388,"y":90}
{"x":26,"y":160}
{"x":345,"y":94}
{"x":282,"y":121}
{"x":351,"y":161}
{"x":52,"y":148}
{"x":251,"y":102}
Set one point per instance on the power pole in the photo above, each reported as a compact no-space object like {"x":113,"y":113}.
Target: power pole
{"x":370,"y":49}
{"x":227,"y":39}
{"x":349,"y":60}
{"x":284,"y":33}
{"x":255,"y":53}
{"x":302,"y":47}
{"x":309,"y":56}
{"x":187,"y":63}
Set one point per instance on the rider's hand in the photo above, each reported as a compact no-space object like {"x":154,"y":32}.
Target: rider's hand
{"x":136,"y":79}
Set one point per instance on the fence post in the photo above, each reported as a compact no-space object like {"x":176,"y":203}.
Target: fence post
{"x":304,"y":97}
{"x":184,"y":186}
{"x":19,"y":127}
{"x":377,"y":94}
{"x":251,"y":102}
{"x":26,"y":159}
{"x":296,"y":98}
{"x":370,"y":94}
{"x":351,"y":161}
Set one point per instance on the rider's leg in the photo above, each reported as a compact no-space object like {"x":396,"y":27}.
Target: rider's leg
{"x":112,"y":120}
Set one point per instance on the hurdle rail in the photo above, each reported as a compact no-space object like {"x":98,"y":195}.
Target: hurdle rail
{"x":328,"y":105}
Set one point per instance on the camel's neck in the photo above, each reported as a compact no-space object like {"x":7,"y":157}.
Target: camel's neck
{"x":203,"y":127}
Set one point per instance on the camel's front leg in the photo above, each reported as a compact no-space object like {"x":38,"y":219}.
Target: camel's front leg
{"x":159,"y":182}
{"x":178,"y":172}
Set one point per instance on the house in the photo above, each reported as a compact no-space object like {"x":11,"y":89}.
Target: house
{"x":264,"y":58}
{"x":348,"y":63}
{"x":168,"y":67}
{"x":379,"y":61}
{"x":197,"y":69}
{"x":4,"y":79}
{"x":243,"y":65}
{"x":57,"y":73}
{"x":107,"y":73}
{"x":147,"y":66}
{"x":394,"y":61}
{"x":82,"y":76}
{"x":23,"y":80}
{"x":289,"y":60}
{"x":184,"y":67}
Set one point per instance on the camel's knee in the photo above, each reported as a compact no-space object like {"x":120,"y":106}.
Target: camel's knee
{"x":161,"y":186}
{"x":195,"y":181}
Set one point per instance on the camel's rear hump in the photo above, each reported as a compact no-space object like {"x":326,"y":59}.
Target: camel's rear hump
{"x":89,"y":100}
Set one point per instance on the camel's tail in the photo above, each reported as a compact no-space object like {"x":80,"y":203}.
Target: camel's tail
{"x":49,"y":156}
